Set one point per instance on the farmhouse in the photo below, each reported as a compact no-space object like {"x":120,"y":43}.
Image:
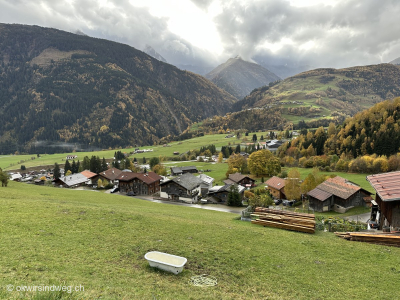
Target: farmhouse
{"x":185,"y":187}
{"x":182,"y":170}
{"x":207,"y":183}
{"x":89,"y":175}
{"x":337,"y":194}
{"x":220,"y":193}
{"x":240,"y":179}
{"x":70,"y":157}
{"x":110,"y":175}
{"x":72,"y":180}
{"x":387,"y":187}
{"x":276,"y":187}
{"x":139,"y":183}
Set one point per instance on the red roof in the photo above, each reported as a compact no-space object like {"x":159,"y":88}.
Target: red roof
{"x":88,"y":174}
{"x":337,"y":186}
{"x":319,"y":194}
{"x":387,"y":185}
{"x":276,"y":182}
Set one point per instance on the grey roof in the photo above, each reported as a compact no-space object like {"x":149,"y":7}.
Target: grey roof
{"x":188,"y":181}
{"x":181,"y":169}
{"x":206,"y":179}
{"x":74,"y":179}
{"x":225,"y":188}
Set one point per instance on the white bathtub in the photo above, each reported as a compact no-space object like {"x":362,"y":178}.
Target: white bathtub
{"x":165,"y":261}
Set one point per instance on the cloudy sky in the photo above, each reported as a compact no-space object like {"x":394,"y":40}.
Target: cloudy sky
{"x":320,"y":33}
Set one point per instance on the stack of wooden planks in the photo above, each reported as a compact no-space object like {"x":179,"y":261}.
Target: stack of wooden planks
{"x":284,"y":219}
{"x":375,"y":237}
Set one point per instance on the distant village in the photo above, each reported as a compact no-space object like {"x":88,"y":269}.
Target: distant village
{"x":189,"y":185}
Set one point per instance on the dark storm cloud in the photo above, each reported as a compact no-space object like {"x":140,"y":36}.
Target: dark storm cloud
{"x":351,"y":32}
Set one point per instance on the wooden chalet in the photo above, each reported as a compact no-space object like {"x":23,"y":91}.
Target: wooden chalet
{"x":73,"y":180}
{"x":240,"y":179}
{"x":139,"y":183}
{"x":175,"y":171}
{"x":337,"y":194}
{"x":387,"y":187}
{"x":110,"y":175}
{"x":185,"y":188}
{"x":220,"y":193}
{"x":276,"y":186}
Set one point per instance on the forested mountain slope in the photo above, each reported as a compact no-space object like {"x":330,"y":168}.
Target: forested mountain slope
{"x":327,"y":93}
{"x":57,"y":87}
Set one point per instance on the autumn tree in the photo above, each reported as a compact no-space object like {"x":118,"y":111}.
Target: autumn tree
{"x":220,"y":157}
{"x":292,"y":185}
{"x":312,"y":180}
{"x":238,"y":162}
{"x":160,"y":170}
{"x":263,"y":162}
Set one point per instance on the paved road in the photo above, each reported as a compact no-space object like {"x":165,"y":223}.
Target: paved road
{"x":216,"y":207}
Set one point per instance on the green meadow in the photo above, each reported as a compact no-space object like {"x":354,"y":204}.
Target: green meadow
{"x":10,"y":162}
{"x":62,"y":237}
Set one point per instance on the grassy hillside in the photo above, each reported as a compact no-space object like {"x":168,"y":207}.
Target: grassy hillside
{"x":64,"y":237}
{"x":11,"y":161}
{"x":323,"y":94}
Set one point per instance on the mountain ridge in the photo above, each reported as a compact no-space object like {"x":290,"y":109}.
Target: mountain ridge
{"x":239,"y":77}
{"x":61,"y":87}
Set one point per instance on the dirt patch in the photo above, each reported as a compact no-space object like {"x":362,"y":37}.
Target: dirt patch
{"x":50,"y":55}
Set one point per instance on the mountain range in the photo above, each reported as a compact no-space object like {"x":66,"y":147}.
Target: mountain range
{"x":239,"y":77}
{"x":57,"y":87}
{"x":318,"y":97}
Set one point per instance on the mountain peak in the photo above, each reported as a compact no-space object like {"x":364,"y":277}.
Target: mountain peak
{"x":239,"y":77}
{"x":153,"y":53}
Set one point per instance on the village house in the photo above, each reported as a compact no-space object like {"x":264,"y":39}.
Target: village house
{"x":182,"y":170}
{"x":337,"y":194}
{"x":220,"y":193}
{"x":185,"y":188}
{"x":139,"y":183}
{"x":240,"y":179}
{"x":276,"y":187}
{"x":110,"y":175}
{"x":15,"y":177}
{"x":89,"y":175}
{"x":73,"y":180}
{"x":387,"y":187}
{"x":71,"y":157}
{"x":207,"y":183}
